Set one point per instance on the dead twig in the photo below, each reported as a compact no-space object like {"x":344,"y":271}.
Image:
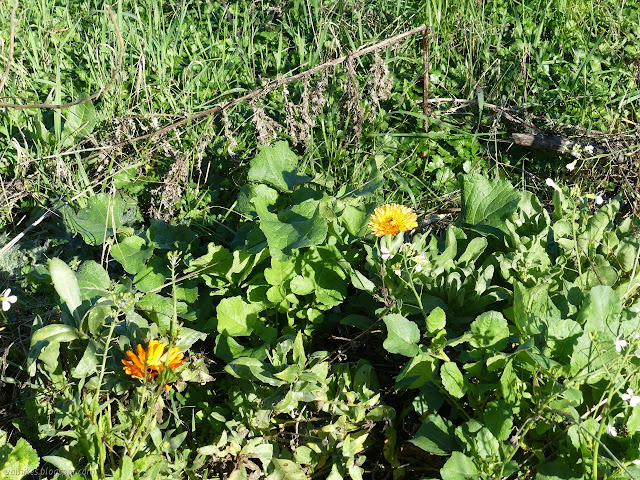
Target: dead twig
{"x":277,"y":83}
{"x":425,"y":62}
{"x":116,"y":69}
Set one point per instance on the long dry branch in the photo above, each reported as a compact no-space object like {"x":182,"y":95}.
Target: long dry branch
{"x":114,"y":74}
{"x":267,"y":88}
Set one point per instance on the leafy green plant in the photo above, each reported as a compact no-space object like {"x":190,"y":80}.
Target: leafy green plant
{"x":519,"y":334}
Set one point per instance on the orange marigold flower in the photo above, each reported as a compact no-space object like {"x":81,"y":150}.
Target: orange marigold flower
{"x":151,"y":361}
{"x":391,"y":219}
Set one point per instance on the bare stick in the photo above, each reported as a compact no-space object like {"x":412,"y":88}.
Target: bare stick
{"x":19,"y":106}
{"x":269,"y":87}
{"x":425,"y":62}
{"x":12,"y":36}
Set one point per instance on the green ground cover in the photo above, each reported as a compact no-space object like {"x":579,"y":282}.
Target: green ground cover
{"x":499,"y":338}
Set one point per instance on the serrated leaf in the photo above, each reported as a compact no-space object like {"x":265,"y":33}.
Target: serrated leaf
{"x":17,"y":462}
{"x":276,"y":165}
{"x":236,"y":317}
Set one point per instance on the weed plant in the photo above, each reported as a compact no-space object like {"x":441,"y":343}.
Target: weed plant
{"x":498,"y":338}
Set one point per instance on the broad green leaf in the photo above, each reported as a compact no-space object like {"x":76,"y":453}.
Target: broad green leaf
{"x":489,"y":331}
{"x":418,"y":371}
{"x":279,"y":272}
{"x":498,"y":418}
{"x":402,"y":335}
{"x":60,"y":463}
{"x":154,"y":275}
{"x":286,"y":470}
{"x":600,"y":310}
{"x":102,"y":217}
{"x":80,"y":120}
{"x":56,"y":333}
{"x":88,"y":363}
{"x":435,"y":435}
{"x":16,"y":462}
{"x":236,"y":317}
{"x":459,"y":467}
{"x":436,"y":321}
{"x":533,"y":309}
{"x":453,"y":380}
{"x":252,"y":369}
{"x":558,"y":470}
{"x":132,"y":253}
{"x":486,"y":204}
{"x":299,"y":226}
{"x":276,"y":165}
{"x":93,"y":280}
{"x":187,"y":337}
{"x":478,"y":440}
{"x":561,"y":338}
{"x":65,"y":283}
{"x":473,"y":251}
{"x":356,"y":217}
{"x":323,"y":266}
{"x":168,"y":236}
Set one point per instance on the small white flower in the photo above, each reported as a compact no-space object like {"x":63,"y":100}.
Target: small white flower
{"x":635,"y":335}
{"x":636,"y":462}
{"x":620,"y":343}
{"x":589,"y":149}
{"x":637,"y":354}
{"x":399,"y":273}
{"x":7,"y":299}
{"x":611,"y":430}
{"x":384,"y":253}
{"x":630,"y":397}
{"x":599,"y":200}
{"x":552,"y":184}
{"x":571,"y":166}
{"x":418,"y":268}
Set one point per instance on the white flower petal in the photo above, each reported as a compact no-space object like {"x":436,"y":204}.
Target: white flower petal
{"x":5,"y":305}
{"x":6,"y":293}
{"x":550,"y":182}
{"x":633,"y":401}
{"x":636,"y":462}
{"x":397,"y":272}
{"x":599,"y":200}
{"x":589,"y":149}
{"x":571,"y":166}
{"x":611,"y":430}
{"x":418,"y":268}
